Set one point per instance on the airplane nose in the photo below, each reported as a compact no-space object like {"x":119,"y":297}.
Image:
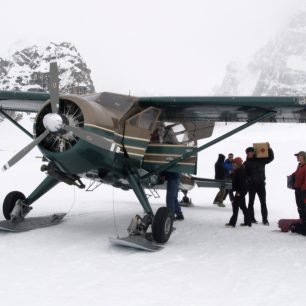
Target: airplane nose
{"x":53,"y":122}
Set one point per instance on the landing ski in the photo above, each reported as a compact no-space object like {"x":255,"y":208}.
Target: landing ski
{"x":31,"y":223}
{"x":136,"y":242}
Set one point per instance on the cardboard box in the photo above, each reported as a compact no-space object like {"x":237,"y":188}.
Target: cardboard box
{"x":261,"y":149}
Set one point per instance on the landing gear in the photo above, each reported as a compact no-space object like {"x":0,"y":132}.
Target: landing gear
{"x":186,"y":201}
{"x":10,"y":201}
{"x":138,"y":238}
{"x":162,"y":225}
{"x":16,"y":206}
{"x":161,"y":222}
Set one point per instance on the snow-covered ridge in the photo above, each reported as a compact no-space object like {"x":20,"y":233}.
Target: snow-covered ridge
{"x":27,"y":69}
{"x":279,"y":68}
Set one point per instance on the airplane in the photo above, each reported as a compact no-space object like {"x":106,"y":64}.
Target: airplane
{"x":128,"y":141}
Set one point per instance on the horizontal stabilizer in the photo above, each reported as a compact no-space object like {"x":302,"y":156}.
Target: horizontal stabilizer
{"x":212,"y":183}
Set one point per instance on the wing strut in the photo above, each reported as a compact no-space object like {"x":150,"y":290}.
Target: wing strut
{"x":15,"y":123}
{"x":209,"y":144}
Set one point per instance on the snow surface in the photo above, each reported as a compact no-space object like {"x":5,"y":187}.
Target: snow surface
{"x":203,"y":263}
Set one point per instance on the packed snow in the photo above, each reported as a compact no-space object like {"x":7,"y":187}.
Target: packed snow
{"x":204,"y":263}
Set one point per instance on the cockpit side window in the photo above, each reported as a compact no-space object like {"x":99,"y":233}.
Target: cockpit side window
{"x":146,"y":119}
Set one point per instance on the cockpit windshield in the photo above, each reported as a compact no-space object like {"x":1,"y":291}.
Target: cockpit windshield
{"x":114,"y":102}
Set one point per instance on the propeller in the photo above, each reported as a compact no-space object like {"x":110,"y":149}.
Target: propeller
{"x":54,"y":87}
{"x":55,"y":123}
{"x":24,"y":151}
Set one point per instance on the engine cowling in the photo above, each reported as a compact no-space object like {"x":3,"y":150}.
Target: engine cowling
{"x":59,"y":140}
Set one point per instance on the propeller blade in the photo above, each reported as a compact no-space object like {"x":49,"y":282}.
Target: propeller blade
{"x":91,"y":138}
{"x":54,"y":87}
{"x":24,"y":151}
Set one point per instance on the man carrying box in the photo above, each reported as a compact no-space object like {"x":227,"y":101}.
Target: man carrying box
{"x":255,"y":170}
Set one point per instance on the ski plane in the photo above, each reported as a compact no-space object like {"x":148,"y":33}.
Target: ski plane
{"x":127,"y":141}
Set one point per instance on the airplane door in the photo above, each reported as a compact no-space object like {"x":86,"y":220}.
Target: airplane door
{"x":174,"y":144}
{"x":138,"y":130}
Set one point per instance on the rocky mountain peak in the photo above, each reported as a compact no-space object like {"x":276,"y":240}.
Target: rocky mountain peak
{"x":28,"y":69}
{"x":279,"y":68}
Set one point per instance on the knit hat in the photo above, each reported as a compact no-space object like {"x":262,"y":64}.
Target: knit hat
{"x":238,"y":161}
{"x":249,"y":149}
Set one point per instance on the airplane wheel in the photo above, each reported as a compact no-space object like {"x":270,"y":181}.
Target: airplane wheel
{"x":10,"y":201}
{"x":162,"y":225}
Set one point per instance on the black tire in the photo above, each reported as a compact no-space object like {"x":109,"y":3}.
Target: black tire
{"x":10,"y":201}
{"x":162,"y":225}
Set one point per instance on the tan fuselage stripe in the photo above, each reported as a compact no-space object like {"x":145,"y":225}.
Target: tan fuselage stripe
{"x":115,"y":133}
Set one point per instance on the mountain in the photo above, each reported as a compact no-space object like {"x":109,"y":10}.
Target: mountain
{"x":28,"y":69}
{"x":277,"y":69}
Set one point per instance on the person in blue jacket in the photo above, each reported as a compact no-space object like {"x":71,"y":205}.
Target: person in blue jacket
{"x":228,"y":165}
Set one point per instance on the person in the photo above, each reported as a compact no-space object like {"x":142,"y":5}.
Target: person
{"x":219,"y":175}
{"x":300,"y":184}
{"x":240,"y":188}
{"x":164,"y":134}
{"x":256,"y":177}
{"x":173,"y":183}
{"x":228,"y":165}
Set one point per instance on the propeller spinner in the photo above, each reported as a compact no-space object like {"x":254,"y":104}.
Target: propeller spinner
{"x":53,"y":122}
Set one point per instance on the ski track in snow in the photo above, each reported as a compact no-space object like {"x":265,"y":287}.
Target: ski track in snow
{"x":203,"y":263}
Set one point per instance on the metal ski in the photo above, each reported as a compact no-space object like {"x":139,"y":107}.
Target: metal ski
{"x":31,"y":223}
{"x":136,"y":242}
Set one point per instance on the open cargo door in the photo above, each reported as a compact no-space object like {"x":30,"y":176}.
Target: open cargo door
{"x":175,"y":143}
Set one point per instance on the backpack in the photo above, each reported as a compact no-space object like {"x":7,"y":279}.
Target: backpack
{"x":299,"y":228}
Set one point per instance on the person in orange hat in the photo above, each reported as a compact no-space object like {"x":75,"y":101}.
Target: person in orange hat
{"x":239,"y":185}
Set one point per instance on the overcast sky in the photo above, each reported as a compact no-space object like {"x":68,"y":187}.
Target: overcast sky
{"x":150,"y":47}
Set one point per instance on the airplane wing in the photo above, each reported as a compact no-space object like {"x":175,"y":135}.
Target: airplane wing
{"x":227,"y":109}
{"x":22,"y":101}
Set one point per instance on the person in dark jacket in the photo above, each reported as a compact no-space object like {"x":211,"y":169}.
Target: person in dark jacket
{"x":219,"y":175}
{"x":239,"y":183}
{"x":255,"y":170}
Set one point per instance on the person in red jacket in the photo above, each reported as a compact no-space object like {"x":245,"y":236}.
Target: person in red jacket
{"x":300,"y":184}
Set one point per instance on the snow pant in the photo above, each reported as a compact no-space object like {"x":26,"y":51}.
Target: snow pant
{"x":239,"y":202}
{"x":300,"y":198}
{"x":299,"y":203}
{"x":220,"y":196}
{"x":260,"y":189}
{"x":173,"y":183}
{"x":230,"y":193}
